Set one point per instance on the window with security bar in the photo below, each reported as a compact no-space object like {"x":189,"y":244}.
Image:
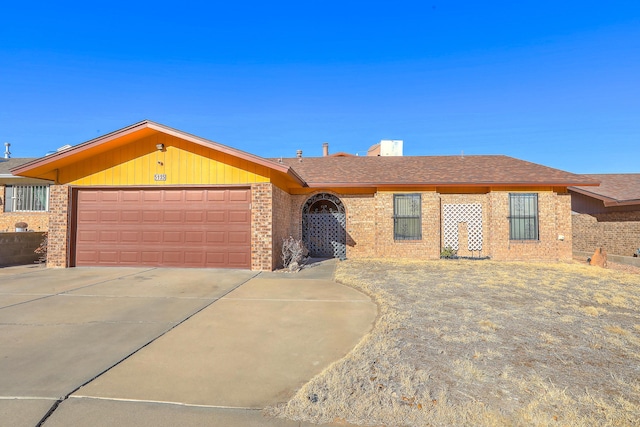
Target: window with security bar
{"x":407,"y":217}
{"x":523,"y":216}
{"x":26,"y":198}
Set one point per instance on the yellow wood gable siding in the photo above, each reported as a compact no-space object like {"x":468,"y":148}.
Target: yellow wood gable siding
{"x":182,"y":162}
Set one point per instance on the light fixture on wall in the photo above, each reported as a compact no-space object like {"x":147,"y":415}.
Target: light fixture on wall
{"x":159,"y":147}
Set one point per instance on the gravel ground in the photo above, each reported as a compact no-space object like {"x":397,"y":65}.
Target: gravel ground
{"x":486,"y":344}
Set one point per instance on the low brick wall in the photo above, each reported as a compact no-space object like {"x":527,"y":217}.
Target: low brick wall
{"x":17,"y":248}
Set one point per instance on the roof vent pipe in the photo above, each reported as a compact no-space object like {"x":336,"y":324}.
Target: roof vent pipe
{"x":7,"y":153}
{"x":325,"y":149}
{"x":299,"y":154}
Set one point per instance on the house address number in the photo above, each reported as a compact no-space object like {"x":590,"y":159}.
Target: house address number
{"x":160,"y":177}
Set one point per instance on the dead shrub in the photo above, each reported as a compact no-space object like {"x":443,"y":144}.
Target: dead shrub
{"x":293,"y":253}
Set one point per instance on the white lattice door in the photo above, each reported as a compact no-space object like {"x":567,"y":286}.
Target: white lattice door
{"x":455,"y":214}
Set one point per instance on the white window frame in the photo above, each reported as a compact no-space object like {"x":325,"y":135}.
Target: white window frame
{"x":26,"y":198}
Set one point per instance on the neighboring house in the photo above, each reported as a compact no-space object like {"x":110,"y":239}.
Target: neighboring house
{"x":152,"y":195}
{"x":607,"y":216}
{"x":22,"y":199}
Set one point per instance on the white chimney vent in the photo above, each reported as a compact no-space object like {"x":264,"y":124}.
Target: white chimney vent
{"x":7,"y":153}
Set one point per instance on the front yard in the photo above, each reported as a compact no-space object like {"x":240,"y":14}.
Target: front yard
{"x":485,"y":344}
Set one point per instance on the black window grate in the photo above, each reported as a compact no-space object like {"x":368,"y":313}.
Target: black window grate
{"x":523,"y":216}
{"x":407,"y":217}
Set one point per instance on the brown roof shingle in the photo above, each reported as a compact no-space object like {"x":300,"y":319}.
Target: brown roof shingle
{"x":614,"y":189}
{"x":429,"y":170}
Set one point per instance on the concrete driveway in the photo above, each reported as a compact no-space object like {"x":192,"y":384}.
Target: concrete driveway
{"x":146,"y":346}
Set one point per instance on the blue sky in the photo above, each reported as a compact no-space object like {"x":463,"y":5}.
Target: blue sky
{"x":556,"y":83}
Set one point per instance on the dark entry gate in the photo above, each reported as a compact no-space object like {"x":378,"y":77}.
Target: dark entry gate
{"x":324,"y":226}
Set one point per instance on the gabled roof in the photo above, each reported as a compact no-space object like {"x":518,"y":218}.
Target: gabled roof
{"x":131,"y":133}
{"x":338,"y":170}
{"x":376,"y":171}
{"x":618,"y":189}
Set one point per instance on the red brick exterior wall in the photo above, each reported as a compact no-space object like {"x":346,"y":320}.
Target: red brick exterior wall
{"x":370,"y":226}
{"x":618,"y":232}
{"x":37,"y":221}
{"x":59,"y":226}
{"x":427,"y":248}
{"x":554,"y":214}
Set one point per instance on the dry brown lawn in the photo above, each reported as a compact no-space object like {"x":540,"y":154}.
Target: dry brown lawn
{"x":485,"y":344}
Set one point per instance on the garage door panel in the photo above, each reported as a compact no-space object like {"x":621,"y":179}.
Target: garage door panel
{"x":109,"y":237}
{"x":164,"y":227}
{"x":89,"y":196}
{"x":133,"y":217}
{"x":173,"y":196}
{"x":109,"y":216}
{"x":129,"y":257}
{"x":194,"y":237}
{"x":172,"y":216}
{"x":172,"y":237}
{"x":195,"y":216}
{"x":194,"y":196}
{"x":151,"y":237}
{"x":239,"y":196}
{"x":150,"y":257}
{"x":87,"y":256}
{"x":129,"y":236}
{"x":239,"y":217}
{"x":107,"y":257}
{"x":237,"y":259}
{"x":131,"y":196}
{"x":149,"y":216}
{"x":108,"y":197}
{"x":87,"y":236}
{"x":194,"y":259}
{"x":172,"y":257}
{"x":216,"y":259}
{"x":151,"y":196}
{"x":216,"y":217}
{"x":216,"y":237}
{"x":88,"y":216}
{"x":239,"y":237}
{"x":217,"y":195}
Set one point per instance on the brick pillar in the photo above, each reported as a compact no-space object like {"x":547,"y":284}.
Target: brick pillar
{"x":59,"y":226}
{"x":262,"y":227}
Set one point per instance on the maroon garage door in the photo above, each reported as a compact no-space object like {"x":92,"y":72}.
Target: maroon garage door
{"x":163,"y":227}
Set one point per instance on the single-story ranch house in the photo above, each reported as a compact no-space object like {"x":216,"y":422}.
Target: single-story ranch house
{"x":152,"y":195}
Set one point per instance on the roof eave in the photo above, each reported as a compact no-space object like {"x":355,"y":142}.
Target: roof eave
{"x":607,"y":201}
{"x":442,"y":184}
{"x":147,"y":124}
{"x":613,"y":203}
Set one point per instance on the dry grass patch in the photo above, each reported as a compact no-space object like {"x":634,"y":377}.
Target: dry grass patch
{"x":486,"y":344}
